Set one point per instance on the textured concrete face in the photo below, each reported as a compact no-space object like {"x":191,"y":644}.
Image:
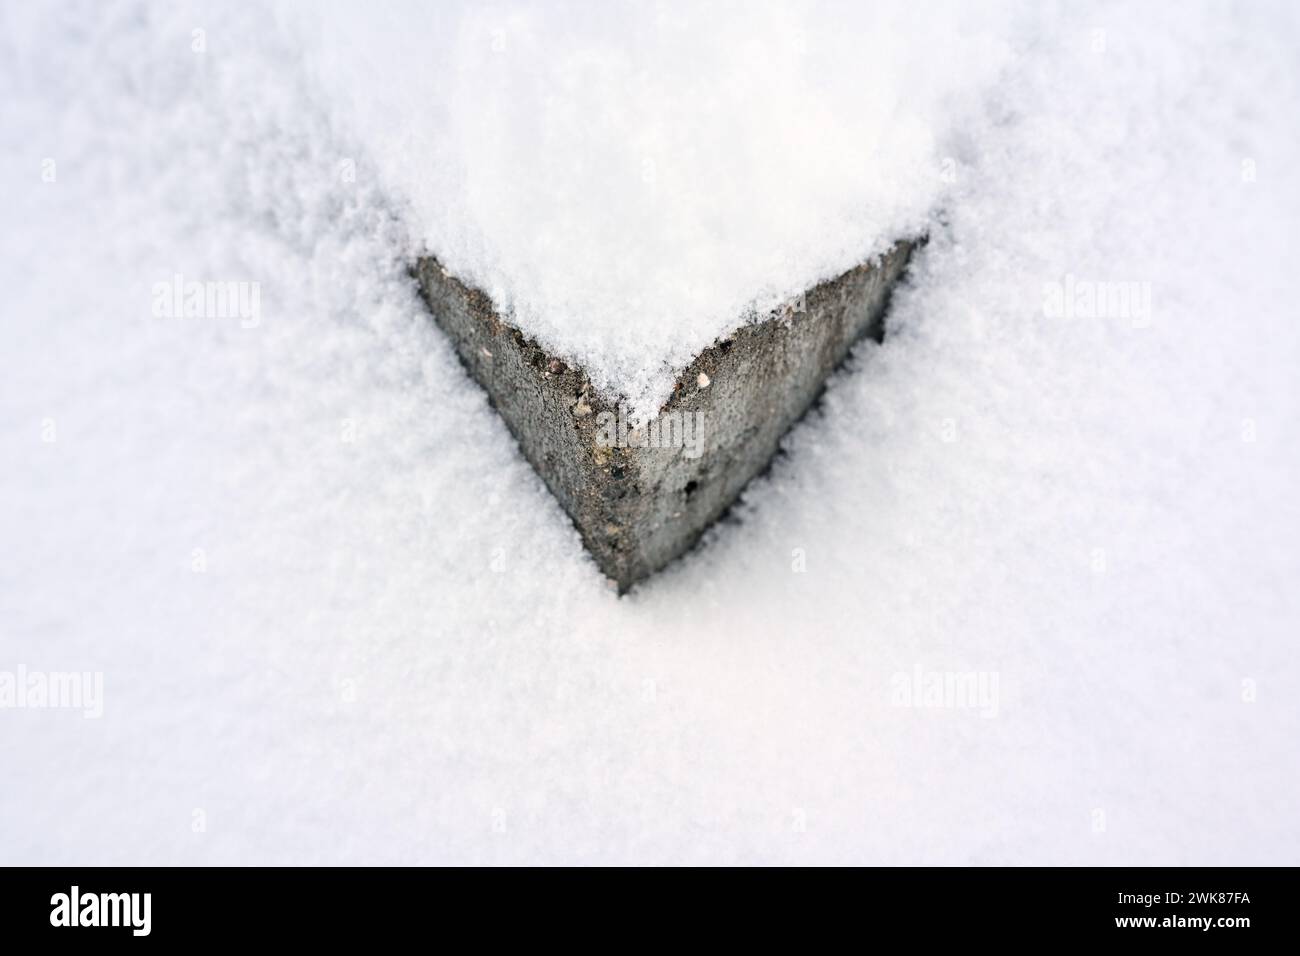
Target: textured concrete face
{"x":642,"y":497}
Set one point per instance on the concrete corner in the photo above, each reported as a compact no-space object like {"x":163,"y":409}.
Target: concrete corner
{"x":642,"y":497}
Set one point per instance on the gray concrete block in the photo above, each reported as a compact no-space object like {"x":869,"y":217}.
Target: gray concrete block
{"x":642,"y":498}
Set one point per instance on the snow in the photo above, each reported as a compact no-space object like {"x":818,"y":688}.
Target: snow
{"x":339,"y":619}
{"x":632,"y":181}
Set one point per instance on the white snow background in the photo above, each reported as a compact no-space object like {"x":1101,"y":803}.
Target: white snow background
{"x":340,"y":619}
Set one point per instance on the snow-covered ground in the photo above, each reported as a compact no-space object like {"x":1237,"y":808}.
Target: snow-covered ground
{"x":1024,"y":589}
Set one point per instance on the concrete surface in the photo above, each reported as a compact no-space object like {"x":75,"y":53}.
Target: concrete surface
{"x":642,"y":497}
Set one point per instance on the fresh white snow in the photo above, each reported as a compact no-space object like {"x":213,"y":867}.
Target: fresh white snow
{"x":1022,"y":591}
{"x":631,"y":181}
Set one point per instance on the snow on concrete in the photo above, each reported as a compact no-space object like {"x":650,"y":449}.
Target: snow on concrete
{"x":630,"y":180}
{"x":1023,"y":590}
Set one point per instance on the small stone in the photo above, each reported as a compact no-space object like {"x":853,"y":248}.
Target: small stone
{"x":581,"y":409}
{"x":703,"y":380}
{"x":486,"y":353}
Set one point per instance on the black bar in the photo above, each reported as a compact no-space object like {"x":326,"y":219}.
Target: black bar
{"x":333,"y":907}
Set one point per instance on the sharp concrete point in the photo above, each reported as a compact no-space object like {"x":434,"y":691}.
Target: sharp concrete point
{"x":643,"y":496}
